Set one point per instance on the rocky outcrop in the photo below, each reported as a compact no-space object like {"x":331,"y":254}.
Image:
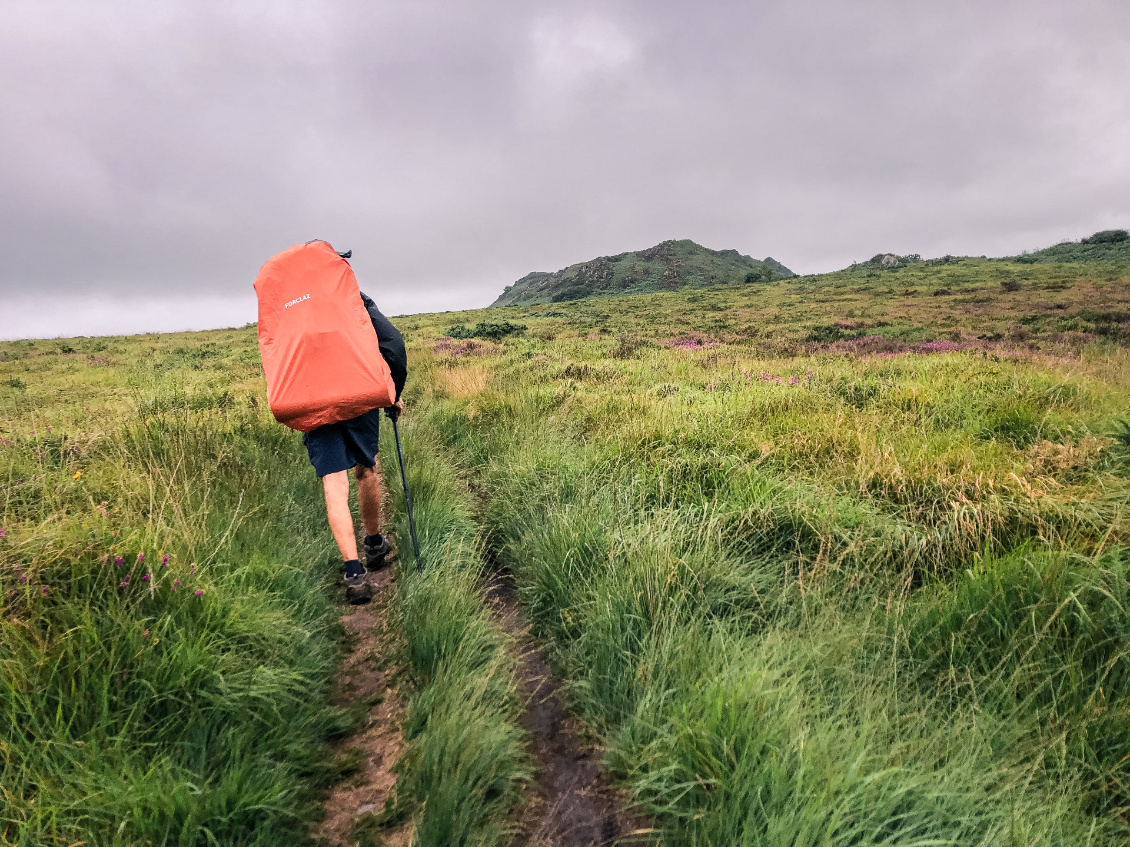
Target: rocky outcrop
{"x":668,"y":266}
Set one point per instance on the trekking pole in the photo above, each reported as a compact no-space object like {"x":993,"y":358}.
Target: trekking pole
{"x":392,"y":416}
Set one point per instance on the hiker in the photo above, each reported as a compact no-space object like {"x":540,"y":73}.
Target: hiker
{"x":332,"y":361}
{"x":336,"y":448}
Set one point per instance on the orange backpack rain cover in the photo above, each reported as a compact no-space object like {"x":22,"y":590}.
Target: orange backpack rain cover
{"x":320,"y":352}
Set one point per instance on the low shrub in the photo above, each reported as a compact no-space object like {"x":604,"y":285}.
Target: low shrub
{"x":576,"y":292}
{"x":486,"y":329}
{"x":628,"y":345}
{"x":1107,"y":236}
{"x":759,"y":275}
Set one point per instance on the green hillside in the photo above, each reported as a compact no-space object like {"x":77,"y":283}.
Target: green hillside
{"x":667,"y":266}
{"x":839,"y":560}
{"x":672,"y":265}
{"x":1111,"y":246}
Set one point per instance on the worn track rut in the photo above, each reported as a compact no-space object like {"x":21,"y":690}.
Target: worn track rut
{"x":572,"y":802}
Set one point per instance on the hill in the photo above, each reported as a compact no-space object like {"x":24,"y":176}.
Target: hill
{"x":1111,"y":246}
{"x":667,"y":266}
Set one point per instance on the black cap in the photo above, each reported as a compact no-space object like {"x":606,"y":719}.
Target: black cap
{"x":347,"y":254}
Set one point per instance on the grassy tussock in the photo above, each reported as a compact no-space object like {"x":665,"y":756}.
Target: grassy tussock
{"x":746,"y":707}
{"x":465,"y":761}
{"x":146,"y":713}
{"x":154,"y":700}
{"x":815,"y":597}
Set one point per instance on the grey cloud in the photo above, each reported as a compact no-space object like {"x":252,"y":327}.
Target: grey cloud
{"x":152,"y":150}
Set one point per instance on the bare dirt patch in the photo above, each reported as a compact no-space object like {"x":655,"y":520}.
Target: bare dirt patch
{"x":365,"y":680}
{"x":572,"y":801}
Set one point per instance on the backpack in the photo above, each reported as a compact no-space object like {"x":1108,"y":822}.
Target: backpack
{"x":320,"y":354}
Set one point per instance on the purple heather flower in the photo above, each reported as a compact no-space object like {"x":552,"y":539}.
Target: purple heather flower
{"x":173,"y":589}
{"x":146,"y":577}
{"x":3,"y":532}
{"x":23,"y":579}
{"x":176,"y":582}
{"x":124,"y":584}
{"x":165,"y":561}
{"x":192,"y":570}
{"x":45,"y":589}
{"x":199,"y":592}
{"x":794,"y":380}
{"x":18,"y":567}
{"x":140,"y":557}
{"x":118,"y":561}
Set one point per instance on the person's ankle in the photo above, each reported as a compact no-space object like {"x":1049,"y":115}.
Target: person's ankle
{"x":353,"y":567}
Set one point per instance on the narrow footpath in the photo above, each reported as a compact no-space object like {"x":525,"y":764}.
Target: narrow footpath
{"x":364,"y":681}
{"x":572,"y":803}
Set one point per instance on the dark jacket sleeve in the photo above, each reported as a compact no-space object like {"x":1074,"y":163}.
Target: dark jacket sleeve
{"x":391,"y":342}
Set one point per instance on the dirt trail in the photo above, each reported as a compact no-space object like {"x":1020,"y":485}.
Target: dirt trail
{"x":572,"y":802}
{"x":363,"y":680}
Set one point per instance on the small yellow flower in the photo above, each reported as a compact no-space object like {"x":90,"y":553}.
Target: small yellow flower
{"x":77,"y":475}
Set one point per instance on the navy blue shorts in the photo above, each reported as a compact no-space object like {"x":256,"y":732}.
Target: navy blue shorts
{"x":342,"y":445}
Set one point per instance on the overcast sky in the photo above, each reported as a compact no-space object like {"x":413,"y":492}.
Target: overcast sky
{"x":154,"y":154}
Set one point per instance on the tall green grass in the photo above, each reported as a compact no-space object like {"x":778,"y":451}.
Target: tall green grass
{"x":149,"y":713}
{"x":466,"y":761}
{"x":164,"y":701}
{"x":1045,"y":634}
{"x":745,"y":707}
{"x":763,"y":592}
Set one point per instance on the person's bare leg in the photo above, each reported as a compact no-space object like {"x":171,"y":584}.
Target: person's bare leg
{"x":336,"y":487}
{"x":369,"y":495}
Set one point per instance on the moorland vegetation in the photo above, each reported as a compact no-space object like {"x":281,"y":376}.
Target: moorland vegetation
{"x":832,"y":560}
{"x":168,"y":624}
{"x":835,"y":559}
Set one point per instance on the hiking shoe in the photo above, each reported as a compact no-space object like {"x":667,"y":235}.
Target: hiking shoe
{"x":357,"y":590}
{"x":377,"y":548}
{"x":356,"y":595}
{"x":354,"y":574}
